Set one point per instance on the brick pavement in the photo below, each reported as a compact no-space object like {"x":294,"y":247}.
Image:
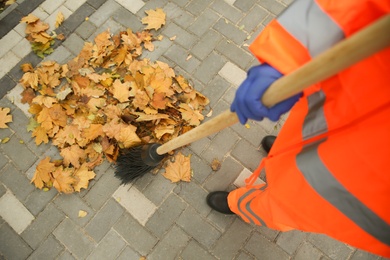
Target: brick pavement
{"x":150,"y":217}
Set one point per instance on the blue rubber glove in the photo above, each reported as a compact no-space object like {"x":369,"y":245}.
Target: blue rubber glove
{"x":247,"y":102}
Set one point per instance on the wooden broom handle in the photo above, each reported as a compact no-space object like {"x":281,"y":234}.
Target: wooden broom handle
{"x":359,"y":46}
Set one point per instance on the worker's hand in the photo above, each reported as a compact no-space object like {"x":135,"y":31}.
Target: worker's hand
{"x":247,"y":102}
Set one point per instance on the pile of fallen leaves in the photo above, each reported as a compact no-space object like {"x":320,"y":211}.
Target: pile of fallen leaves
{"x":103,"y":100}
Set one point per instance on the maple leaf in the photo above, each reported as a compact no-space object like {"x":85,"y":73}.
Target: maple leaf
{"x":59,"y":19}
{"x":161,"y":130}
{"x":73,"y":155}
{"x":141,"y":99}
{"x":4,"y":117}
{"x":26,"y":67}
{"x":127,"y":136}
{"x":159,"y":101}
{"x":93,"y":132}
{"x":42,"y":173}
{"x":82,"y":177}
{"x":63,"y":179}
{"x":40,"y":135}
{"x":121,"y":91}
{"x":29,"y":19}
{"x":45,"y":100}
{"x":154,"y":19}
{"x":70,"y":134}
{"x":27,"y":96}
{"x":179,"y":170}
{"x":29,"y":79}
{"x":193,"y":117}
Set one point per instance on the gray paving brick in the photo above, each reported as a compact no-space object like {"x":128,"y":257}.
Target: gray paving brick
{"x":128,"y":253}
{"x":254,"y":18}
{"x":363,"y":255}
{"x":86,"y":29}
{"x":127,"y":19}
{"x":200,"y":168}
{"x":197,"y":7}
{"x":215,"y":90}
{"x":102,"y":190}
{"x":308,"y":251}
{"x":244,"y":256}
{"x":290,"y":240}
{"x":78,"y":17}
{"x":179,"y":55}
{"x":194,"y":251}
{"x":74,"y":43}
{"x":170,"y":245}
{"x":16,"y":181}
{"x":262,"y":248}
{"x":71,"y":204}
{"x":153,"y":4}
{"x":206,"y":44}
{"x":221,"y":221}
{"x":49,"y":249}
{"x":181,"y":3}
{"x":66,"y":255}
{"x":3,"y":161}
{"x":19,"y":125}
{"x":38,"y":200}
{"x":273,"y":6}
{"x":244,"y":5}
{"x":109,"y":248}
{"x":42,"y":226}
{"x":254,"y":134}
{"x":60,"y":55}
{"x":15,"y":150}
{"x":198,"y":228}
{"x":104,"y":219}
{"x":194,"y":195}
{"x":136,"y":235}
{"x":12,"y":246}
{"x":74,"y":238}
{"x":229,"y":96}
{"x":3,"y":190}
{"x":104,"y":13}
{"x":237,"y":55}
{"x":221,"y":179}
{"x":6,"y":84}
{"x":204,"y":22}
{"x":221,"y":144}
{"x":269,"y":233}
{"x":166,"y":215}
{"x":232,"y":240}
{"x":158,"y":189}
{"x":226,"y":10}
{"x":231,"y":32}
{"x":159,"y":48}
{"x":183,"y":38}
{"x":178,"y":15}
{"x":96,"y":3}
{"x":331,"y":247}
{"x":210,"y":67}
{"x":249,"y":155}
{"x":111,"y":25}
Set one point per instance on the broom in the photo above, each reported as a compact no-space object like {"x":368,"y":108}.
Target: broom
{"x":135,"y":162}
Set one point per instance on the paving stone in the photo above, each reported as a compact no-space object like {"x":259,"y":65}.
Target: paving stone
{"x":158,"y":189}
{"x":74,"y":43}
{"x":3,"y":161}
{"x":15,"y":150}
{"x":201,"y":169}
{"x":8,"y":61}
{"x":237,"y":55}
{"x":12,"y":246}
{"x":245,"y":5}
{"x":197,"y":7}
{"x":104,"y":12}
{"x":331,"y":247}
{"x":308,"y":251}
{"x":254,"y":134}
{"x":66,"y":255}
{"x":16,"y":181}
{"x":127,"y":19}
{"x":3,"y":190}
{"x":51,"y":19}
{"x":166,"y":215}
{"x":42,"y":226}
{"x":194,"y":251}
{"x":74,"y":238}
{"x":49,"y":249}
{"x":269,"y":233}
{"x":262,"y":248}
{"x":19,"y":125}
{"x":74,"y":5}
{"x":232,"y":32}
{"x":110,"y":25}
{"x":363,"y":255}
{"x":9,"y":41}
{"x":140,"y":207}
{"x":194,"y":195}
{"x":244,"y":256}
{"x":206,"y":44}
{"x":179,"y":55}
{"x":183,"y":38}
{"x":215,"y":90}
{"x":221,"y":221}
{"x":160,"y":48}
{"x":6,"y":84}
{"x":104,"y":220}
{"x":226,"y":10}
{"x":254,"y":18}
{"x":245,"y":174}
{"x":233,"y":74}
{"x":128,"y":253}
{"x":210,"y":67}
{"x":22,"y":49}
{"x":86,"y":29}
{"x":109,"y":248}
{"x":102,"y":190}
{"x":38,"y":199}
{"x":134,"y":6}
{"x":71,"y":204}
{"x":78,"y":17}
{"x":220,"y":146}
{"x":51,"y":6}
{"x":14,"y":213}
{"x":232,"y":240}
{"x":61,"y":55}
{"x":290,"y":240}
{"x":249,"y":155}
{"x":181,"y":3}
{"x":136,"y":235}
{"x":204,"y":22}
{"x":96,"y":3}
{"x":273,"y":6}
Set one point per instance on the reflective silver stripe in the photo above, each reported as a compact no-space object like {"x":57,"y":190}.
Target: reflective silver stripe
{"x":311,"y":26}
{"x":315,"y":121}
{"x":247,"y":206}
{"x":329,"y":188}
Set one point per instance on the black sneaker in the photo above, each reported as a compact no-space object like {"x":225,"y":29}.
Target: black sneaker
{"x":267,"y":142}
{"x":217,"y":200}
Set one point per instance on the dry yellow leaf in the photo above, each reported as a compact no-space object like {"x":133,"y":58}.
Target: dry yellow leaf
{"x":154,"y":19}
{"x":59,"y":19}
{"x":82,"y":213}
{"x":179,"y":170}
{"x":5,"y":117}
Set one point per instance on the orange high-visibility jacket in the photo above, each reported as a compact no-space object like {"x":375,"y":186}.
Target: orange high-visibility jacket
{"x":329,"y":169}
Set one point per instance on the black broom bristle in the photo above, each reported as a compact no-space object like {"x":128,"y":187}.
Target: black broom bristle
{"x":134,"y":162}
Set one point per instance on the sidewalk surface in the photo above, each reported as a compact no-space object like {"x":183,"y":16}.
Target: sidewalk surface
{"x":152,"y":217}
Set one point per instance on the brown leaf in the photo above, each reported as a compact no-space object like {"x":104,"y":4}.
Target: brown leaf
{"x":73,"y":155}
{"x":26,"y":67}
{"x":42,"y":175}
{"x":5,"y":117}
{"x":179,"y":170}
{"x":27,"y":96}
{"x":154,"y":19}
{"x":215,"y":165}
{"x":121,"y":91}
{"x":63,"y":179}
{"x":82,"y":177}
